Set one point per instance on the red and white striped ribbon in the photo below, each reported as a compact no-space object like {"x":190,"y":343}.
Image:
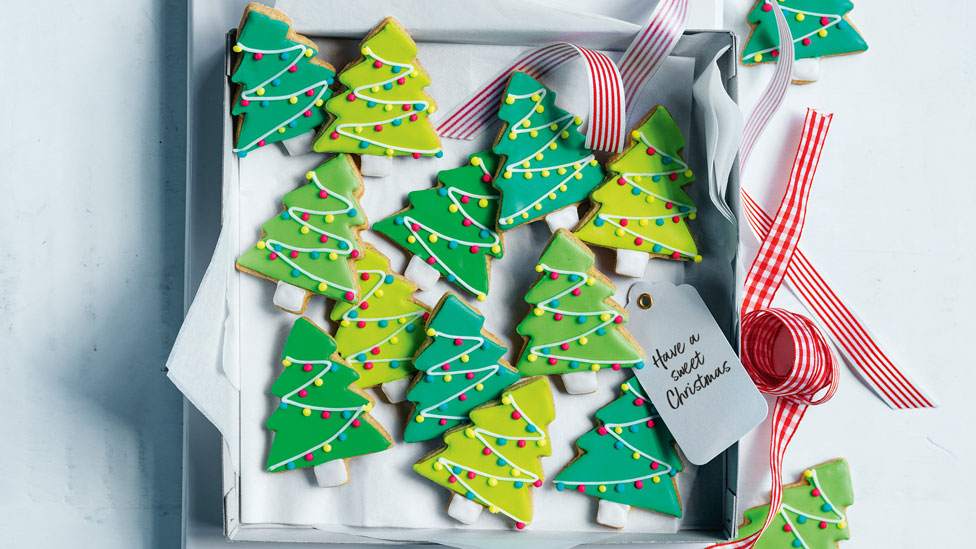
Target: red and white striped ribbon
{"x":606,"y":117}
{"x":812,"y":378}
{"x":652,"y":46}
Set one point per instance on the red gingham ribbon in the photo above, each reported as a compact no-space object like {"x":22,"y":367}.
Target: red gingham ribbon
{"x":812,"y":378}
{"x":606,"y":118}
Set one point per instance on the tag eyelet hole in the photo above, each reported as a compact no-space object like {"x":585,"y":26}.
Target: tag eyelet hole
{"x":644,"y":301}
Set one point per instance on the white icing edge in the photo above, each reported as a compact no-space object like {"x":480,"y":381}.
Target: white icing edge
{"x":580,"y":383}
{"x":612,"y":514}
{"x":376,"y":166}
{"x":464,"y":510}
{"x":566,"y":218}
{"x":806,"y":70}
{"x":631,"y":262}
{"x":300,"y":144}
{"x":421,"y":274}
{"x":396,"y":390}
{"x":289,"y":297}
{"x":331,"y":473}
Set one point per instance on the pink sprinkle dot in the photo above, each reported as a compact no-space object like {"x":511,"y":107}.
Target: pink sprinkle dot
{"x":377,"y":64}
{"x":675,"y":255}
{"x":624,"y":222}
{"x":581,"y":488}
{"x":824,"y":20}
{"x":310,"y":92}
{"x":673,"y":176}
{"x":458,"y":341}
{"x":356,"y":423}
{"x":638,"y":484}
{"x":471,"y":474}
{"x":637,"y":401}
{"x":431,"y":260}
{"x":466,"y":222}
{"x":324,"y":238}
{"x":273,"y":256}
{"x":262,"y":143}
{"x":538,"y":483}
{"x":823,"y":524}
{"x":323,"y":194}
{"x":349,"y":296}
{"x":378,"y":128}
{"x":650,"y":423}
{"x":361,"y":324}
{"x":774,"y":53}
{"x":521,"y":444}
{"x":309,"y":457}
{"x":258,"y":56}
{"x":414,"y":227}
{"x":669,"y":205}
{"x":443,"y":422}
{"x":616,"y":367}
{"x":426,"y":315}
{"x":364,"y":305}
{"x":452,"y":479}
{"x":638,"y":241}
{"x":354,"y":254}
{"x":767,"y":7}
{"x":474,"y":249}
{"x":552,"y":361}
{"x":806,"y":41}
{"x":245,"y":102}
{"x":558,"y":316}
{"x":334,"y":135}
{"x":401,"y":81}
{"x":520,"y":525}
{"x":462,"y":397}
{"x":465,"y":199}
{"x":303,"y":393}
{"x":307,"y":367}
{"x":676,"y":219}
{"x":293,"y":68}
{"x":415,"y":155}
{"x":516,"y":415}
{"x":618,"y":320}
{"x":351,"y":97}
{"x":364,"y":276}
{"x":305,"y":216}
{"x":815,"y":492}
{"x":621,"y":181}
{"x":326,"y":414}
{"x":576,"y":291}
{"x":406,"y":107}
{"x":486,"y":178}
{"x":307,"y":114}
{"x":469,"y":375}
{"x":368,"y":366}
{"x":294,"y":254}
{"x":446,"y":367}
{"x":554,"y":275}
{"x":486,"y":451}
{"x":650,"y":151}
{"x":564,"y":346}
{"x":413,"y":117}
{"x":654,"y":465}
{"x":375,"y":350}
{"x":787,"y":528}
{"x":601,"y":430}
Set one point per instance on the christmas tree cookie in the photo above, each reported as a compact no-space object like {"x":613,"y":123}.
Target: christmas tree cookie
{"x":459,"y":367}
{"x":323,"y":418}
{"x":494,"y":462}
{"x":642,"y":209}
{"x":628,"y":461}
{"x":820,"y":28}
{"x":574,"y":328}
{"x":813,"y":514}
{"x":311,"y":247}
{"x":450,"y":229}
{"x":282,"y":85}
{"x":380,"y":332}
{"x":382,"y":111}
{"x":546,"y":169}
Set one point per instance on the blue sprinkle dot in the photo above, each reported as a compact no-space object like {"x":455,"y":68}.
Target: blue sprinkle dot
{"x":329,"y":81}
{"x":451,"y":278}
{"x":581,"y":319}
{"x":397,"y":122}
{"x":418,"y":106}
{"x":601,"y":331}
{"x":469,"y":494}
{"x":456,"y":470}
{"x":398,"y":220}
{"x":452,"y":245}
{"x":276,"y":82}
{"x":801,"y":519}
{"x":296,"y":272}
{"x":560,"y":486}
{"x":394,"y":364}
{"x":291,"y":465}
{"x":241,"y":154}
{"x":574,"y":364}
{"x":826,"y":507}
{"x":313,"y":255}
{"x":442,"y":407}
{"x":411,"y":328}
{"x":546,"y":350}
{"x":518,"y":484}
{"x":346,"y":414}
{"x":293,"y":124}
{"x":442,"y":191}
{"x":361,"y":357}
{"x":484,"y":233}
{"x":383,"y":323}
{"x":283,"y":405}
{"x":353,"y":313}
{"x":285,"y":56}
{"x":352,"y":213}
{"x":659,"y":222}
{"x":395,"y":68}
{"x":363,"y":145}
{"x":388,"y":86}
{"x":598,"y":222}
{"x":673,"y":472}
{"x":618,"y":445}
{"x":502,"y":441}
{"x":657,"y":248}
{"x":265,"y":103}
{"x":655,"y":178}
{"x":797,"y":543}
{"x":530,"y":428}
{"x":554,"y":303}
{"x":683,"y":209}
{"x":371,"y":104}
{"x":633,"y":428}
{"x":501,"y":462}
{"x":639,"y":365}
{"x":439,"y":154}
{"x":840,"y":25}
{"x":574,"y":278}
{"x":284,"y":215}
{"x":620,"y":488}
{"x":635,"y":191}
{"x":665,"y":159}
{"x":342,"y":436}
{"x":429,"y":379}
{"x":484,"y":345}
{"x":343,"y":245}
{"x":334,"y":368}
{"x":388,"y":279}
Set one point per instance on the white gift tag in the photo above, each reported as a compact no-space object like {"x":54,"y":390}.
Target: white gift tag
{"x":692,"y":375}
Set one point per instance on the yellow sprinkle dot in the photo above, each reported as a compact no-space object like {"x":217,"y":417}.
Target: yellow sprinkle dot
{"x":526,"y":164}
{"x":562,"y":188}
{"x":636,"y":179}
{"x":635,"y":455}
{"x":344,"y":323}
{"x":309,"y":53}
{"x":540,"y":108}
{"x":420,"y":419}
{"x":293,"y":100}
{"x":540,"y":442}
{"x":304,"y":229}
{"x":475,"y":161}
{"x":655,"y":480}
{"x":578,"y":175}
{"x":411,"y":239}
{"x":527,"y":175}
{"x":602,"y":488}
{"x":538,"y":312}
{"x":333,"y":256}
{"x":808,"y":473}
{"x":323,"y":286}
{"x":538,"y":156}
{"x":643,"y":222}
{"x":618,"y":430}
{"x":309,"y":175}
{"x":822,"y":32}
{"x":379,"y":293}
{"x":306,"y":412}
{"x":374,"y":89}
{"x":465,"y":358}
{"x":552,"y":196}
{"x":237,"y":48}
{"x":537,"y":206}
{"x":590,"y":281}
{"x":624,"y":387}
{"x":368,"y":407}
{"x":561,"y":171}
{"x":800,"y":17}
{"x":583,"y":340}
{"x":532,"y":357}
{"x":692,"y":215}
{"x":605,"y":317}
{"x":841,"y":525}
{"x":698,"y":259}
{"x":595,"y":367}
{"x":387,"y":107}
{"x":286,"y":362}
{"x":453,"y":208}
{"x":507,"y":399}
{"x":479,"y":387}
{"x":438,"y":466}
{"x":635,"y":134}
{"x":402,"y":320}
{"x":539,"y":268}
{"x":577,"y":121}
{"x":564,"y":135}
{"x":553,"y":146}
{"x":516,"y":472}
{"x":526,"y":123}
{"x":507,"y":175}
{"x":533,"y":133}
{"x":509,"y":100}
{"x":448,"y":378}
{"x":553,"y":127}
{"x":483,"y":202}
{"x":688,"y":173}
{"x":281,"y":129}
{"x":593,"y":162}
{"x":469,"y":432}
{"x":260,"y":91}
{"x":318,"y":382}
{"x":482,"y":297}
{"x":493,"y":482}
{"x":496,"y":249}
{"x":394,"y":340}
{"x":431,"y":332}
{"x":261,"y":244}
{"x":358,"y":129}
{"x":319,"y":103}
{"x":649,"y":198}
{"x":491,"y":508}
{"x":525,"y":215}
{"x":536,"y":97}
{"x":511,"y":135}
{"x":432,"y":109}
{"x":329,"y":218}
{"x":619,"y":232}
